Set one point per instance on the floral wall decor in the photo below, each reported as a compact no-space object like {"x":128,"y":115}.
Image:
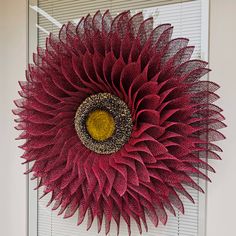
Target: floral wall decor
{"x":117,"y":120}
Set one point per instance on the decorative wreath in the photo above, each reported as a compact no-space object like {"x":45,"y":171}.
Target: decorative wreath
{"x":117,"y":120}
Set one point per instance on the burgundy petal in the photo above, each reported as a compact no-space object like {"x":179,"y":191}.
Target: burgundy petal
{"x":174,"y":120}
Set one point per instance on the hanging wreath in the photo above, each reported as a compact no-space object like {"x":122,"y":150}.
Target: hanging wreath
{"x":117,"y":120}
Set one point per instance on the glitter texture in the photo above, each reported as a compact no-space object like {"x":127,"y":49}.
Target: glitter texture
{"x":121,"y":115}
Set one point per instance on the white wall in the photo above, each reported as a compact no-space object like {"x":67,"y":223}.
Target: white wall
{"x":221,"y":204}
{"x":12,"y":65}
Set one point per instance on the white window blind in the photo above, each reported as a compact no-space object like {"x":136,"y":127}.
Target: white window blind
{"x":190,"y":19}
{"x":64,"y":10}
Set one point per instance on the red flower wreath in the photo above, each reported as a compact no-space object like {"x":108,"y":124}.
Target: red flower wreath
{"x":117,"y":120}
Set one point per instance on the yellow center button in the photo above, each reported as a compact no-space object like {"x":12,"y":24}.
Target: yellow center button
{"x":100,"y":125}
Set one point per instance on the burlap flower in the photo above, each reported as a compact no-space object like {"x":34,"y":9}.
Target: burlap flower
{"x":117,"y":119}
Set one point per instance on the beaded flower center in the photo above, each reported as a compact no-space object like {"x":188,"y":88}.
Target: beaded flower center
{"x":103,"y":123}
{"x":100,"y":125}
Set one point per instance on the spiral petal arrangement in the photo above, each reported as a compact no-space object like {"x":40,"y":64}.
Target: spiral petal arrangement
{"x":156,"y":106}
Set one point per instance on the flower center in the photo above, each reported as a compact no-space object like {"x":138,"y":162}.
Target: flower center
{"x":103,"y":123}
{"x":100,"y":125}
